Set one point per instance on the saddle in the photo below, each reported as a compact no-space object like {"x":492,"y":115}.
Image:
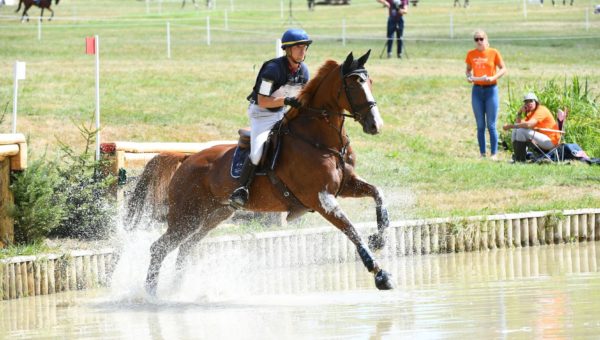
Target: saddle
{"x":267,"y":164}
{"x":269,"y":157}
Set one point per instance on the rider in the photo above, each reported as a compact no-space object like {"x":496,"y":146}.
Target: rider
{"x":277,"y":84}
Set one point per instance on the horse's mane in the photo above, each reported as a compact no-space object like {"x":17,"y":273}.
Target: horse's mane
{"x":309,"y":90}
{"x":307,"y":93}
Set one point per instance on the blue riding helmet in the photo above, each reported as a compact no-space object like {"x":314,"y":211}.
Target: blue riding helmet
{"x":293,"y":37}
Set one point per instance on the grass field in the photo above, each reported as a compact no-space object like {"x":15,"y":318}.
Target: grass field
{"x":426,"y":159}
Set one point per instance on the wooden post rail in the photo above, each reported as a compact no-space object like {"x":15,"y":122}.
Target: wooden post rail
{"x":13,"y":157}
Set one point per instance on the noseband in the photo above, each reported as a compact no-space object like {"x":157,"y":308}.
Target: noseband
{"x":356,"y":109}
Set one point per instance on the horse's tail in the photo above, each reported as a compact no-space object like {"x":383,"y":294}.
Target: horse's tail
{"x":150,"y":193}
{"x":19,"y":7}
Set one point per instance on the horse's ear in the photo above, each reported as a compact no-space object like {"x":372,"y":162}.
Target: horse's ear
{"x":362,"y":60}
{"x":348,"y":63}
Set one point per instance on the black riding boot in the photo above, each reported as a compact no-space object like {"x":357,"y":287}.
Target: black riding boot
{"x":239,"y":197}
{"x":519,"y":151}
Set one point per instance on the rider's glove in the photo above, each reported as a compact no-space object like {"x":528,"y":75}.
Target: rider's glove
{"x":292,"y":101}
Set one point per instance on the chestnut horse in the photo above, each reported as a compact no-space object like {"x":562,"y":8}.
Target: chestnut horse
{"x":315,"y":165}
{"x":39,"y":3}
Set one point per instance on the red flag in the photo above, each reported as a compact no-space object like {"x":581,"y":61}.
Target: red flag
{"x":90,"y":45}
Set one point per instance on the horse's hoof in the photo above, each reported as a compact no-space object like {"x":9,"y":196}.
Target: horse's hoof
{"x":383,"y":280}
{"x":151,"y":288}
{"x":376,"y":242}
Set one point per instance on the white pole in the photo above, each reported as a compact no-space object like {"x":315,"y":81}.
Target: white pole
{"x":587,"y":19}
{"x":15,"y":95}
{"x":231,"y":5}
{"x":214,"y":4}
{"x":208,"y":31}
{"x":344,"y":32}
{"x":451,"y":26}
{"x":281,"y":9}
{"x":40,"y":28}
{"x":226,"y":22}
{"x":168,"y":40}
{"x":525,"y":9}
{"x":278,"y":50}
{"x":97,"y":97}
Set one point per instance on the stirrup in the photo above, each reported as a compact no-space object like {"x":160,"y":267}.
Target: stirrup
{"x":239,"y":197}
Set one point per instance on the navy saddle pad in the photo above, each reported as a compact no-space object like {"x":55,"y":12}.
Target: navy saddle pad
{"x":237,"y":163}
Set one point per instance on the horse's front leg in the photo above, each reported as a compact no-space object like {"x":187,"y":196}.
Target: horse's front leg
{"x":51,"y":14}
{"x":330,"y":209}
{"x":357,"y":187}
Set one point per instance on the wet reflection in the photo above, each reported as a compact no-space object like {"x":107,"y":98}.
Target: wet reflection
{"x":539,"y":292}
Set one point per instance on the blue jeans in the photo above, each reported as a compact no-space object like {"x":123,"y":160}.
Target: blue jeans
{"x":485,"y":107}
{"x":395,"y":25}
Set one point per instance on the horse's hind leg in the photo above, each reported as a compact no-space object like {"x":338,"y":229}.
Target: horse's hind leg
{"x":158,"y":251}
{"x":356,"y":187}
{"x":331,"y":211}
{"x":51,"y":15}
{"x":214,"y":219}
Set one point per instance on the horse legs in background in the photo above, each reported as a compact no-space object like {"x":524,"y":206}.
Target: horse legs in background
{"x":333,"y":213}
{"x":356,"y":187}
{"x":25,"y":15}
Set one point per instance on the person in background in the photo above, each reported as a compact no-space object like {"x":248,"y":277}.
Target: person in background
{"x":484,"y":67}
{"x":534,"y":124}
{"x":395,"y":23}
{"x":277,"y":84}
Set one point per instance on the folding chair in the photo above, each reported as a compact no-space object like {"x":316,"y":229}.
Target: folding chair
{"x":557,"y":153}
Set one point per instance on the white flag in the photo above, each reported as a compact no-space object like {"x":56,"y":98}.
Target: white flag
{"x":19,"y":70}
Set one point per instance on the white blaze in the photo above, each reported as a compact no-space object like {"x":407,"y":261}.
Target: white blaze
{"x":374,"y":109}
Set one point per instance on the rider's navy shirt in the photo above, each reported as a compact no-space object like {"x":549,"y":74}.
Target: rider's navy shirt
{"x":276,"y":74}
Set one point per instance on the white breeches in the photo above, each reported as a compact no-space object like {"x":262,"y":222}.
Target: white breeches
{"x":261,"y":122}
{"x":527,"y":135}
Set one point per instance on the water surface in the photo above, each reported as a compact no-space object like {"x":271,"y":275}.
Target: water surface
{"x":538,"y":292}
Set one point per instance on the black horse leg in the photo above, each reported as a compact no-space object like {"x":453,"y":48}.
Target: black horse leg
{"x":51,"y":15}
{"x":25,"y":13}
{"x":356,"y":187}
{"x":332,"y":212}
{"x":42,"y":14}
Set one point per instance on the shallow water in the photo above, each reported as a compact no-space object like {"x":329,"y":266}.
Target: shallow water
{"x":538,"y":292}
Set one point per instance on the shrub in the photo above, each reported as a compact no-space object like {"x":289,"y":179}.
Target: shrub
{"x":89,"y":206}
{"x":39,"y":204}
{"x":583,"y":122}
{"x":63,"y":198}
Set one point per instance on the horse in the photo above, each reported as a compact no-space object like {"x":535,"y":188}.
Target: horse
{"x":457,"y":3}
{"x":315,"y":165}
{"x":39,"y":3}
{"x":208,"y":3}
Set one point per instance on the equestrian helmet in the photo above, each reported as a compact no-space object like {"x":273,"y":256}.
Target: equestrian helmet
{"x":293,"y":37}
{"x":531,"y":96}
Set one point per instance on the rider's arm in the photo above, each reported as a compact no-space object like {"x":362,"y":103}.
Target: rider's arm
{"x":268,"y":102}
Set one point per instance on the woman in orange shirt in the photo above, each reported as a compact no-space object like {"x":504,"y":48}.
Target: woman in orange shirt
{"x":484,"y":67}
{"x":538,"y":126}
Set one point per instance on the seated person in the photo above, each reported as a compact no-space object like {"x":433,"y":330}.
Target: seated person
{"x":538,"y":127}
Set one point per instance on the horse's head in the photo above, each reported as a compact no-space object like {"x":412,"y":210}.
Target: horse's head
{"x":357,"y":91}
